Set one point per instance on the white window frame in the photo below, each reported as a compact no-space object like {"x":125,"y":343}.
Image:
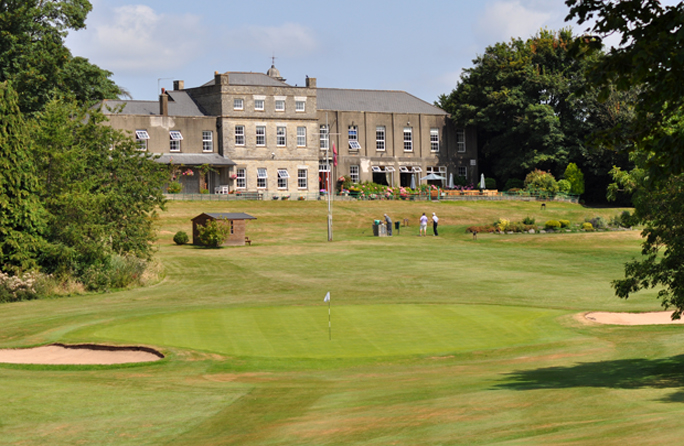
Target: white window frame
{"x":325,"y":137}
{"x":283,"y":176}
{"x":281,"y":136}
{"x":279,"y":104}
{"x":434,"y":140}
{"x":141,"y":137}
{"x":241,"y":180}
{"x":207,"y":141}
{"x":380,"y":138}
{"x":404,"y":169}
{"x":261,"y":128}
{"x":238,"y":104}
{"x":302,"y":178}
{"x":354,"y":170}
{"x":460,"y":141}
{"x":463,"y":172}
{"x":262,"y":178}
{"x":324,"y":166}
{"x":301,"y":136}
{"x":408,"y":139}
{"x":259,"y":104}
{"x":353,"y":137}
{"x":300,"y":105}
{"x":239,"y":135}
{"x":175,"y":138}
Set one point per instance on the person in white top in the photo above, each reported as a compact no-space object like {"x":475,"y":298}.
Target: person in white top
{"x":435,"y":221}
{"x":423,"y":225}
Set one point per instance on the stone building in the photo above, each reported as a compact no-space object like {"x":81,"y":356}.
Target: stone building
{"x":252,"y":132}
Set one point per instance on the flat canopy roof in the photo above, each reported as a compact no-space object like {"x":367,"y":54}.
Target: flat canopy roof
{"x":227,"y":216}
{"x":194,"y":159}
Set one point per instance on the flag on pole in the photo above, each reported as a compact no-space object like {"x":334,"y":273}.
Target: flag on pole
{"x":334,"y":155}
{"x":327,"y":297}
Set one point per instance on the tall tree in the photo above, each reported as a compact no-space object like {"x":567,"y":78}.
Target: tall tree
{"x":650,"y":60}
{"x":100,"y":191}
{"x":34,"y":58}
{"x":22,"y":217}
{"x":521,"y":97}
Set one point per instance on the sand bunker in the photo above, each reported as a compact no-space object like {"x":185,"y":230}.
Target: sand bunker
{"x":61,"y":354}
{"x":652,"y":318}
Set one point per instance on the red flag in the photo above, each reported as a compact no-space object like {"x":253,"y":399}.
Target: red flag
{"x":334,"y":155}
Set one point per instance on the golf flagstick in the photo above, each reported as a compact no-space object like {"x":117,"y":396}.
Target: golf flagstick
{"x":327,"y":299}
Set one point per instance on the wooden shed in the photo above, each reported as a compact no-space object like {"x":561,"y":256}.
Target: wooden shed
{"x":236,"y":220}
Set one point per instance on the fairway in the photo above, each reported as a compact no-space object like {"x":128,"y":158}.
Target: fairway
{"x":436,"y":341}
{"x":358,"y":330}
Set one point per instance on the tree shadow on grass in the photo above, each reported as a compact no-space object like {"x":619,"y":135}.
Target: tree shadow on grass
{"x":661,"y":373}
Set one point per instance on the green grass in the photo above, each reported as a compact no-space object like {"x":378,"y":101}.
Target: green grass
{"x":436,"y":340}
{"x":361,"y":331}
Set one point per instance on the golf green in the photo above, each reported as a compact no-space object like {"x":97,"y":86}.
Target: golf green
{"x":357,"y":330}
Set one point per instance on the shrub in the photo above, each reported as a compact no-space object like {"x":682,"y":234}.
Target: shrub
{"x":502,"y":224}
{"x":26,"y":286}
{"x":564,"y":186}
{"x":174,"y":187}
{"x":490,"y":183}
{"x":114,"y":272}
{"x":540,"y":181}
{"x":481,"y":229}
{"x":564,"y":223}
{"x":528,"y":220}
{"x":513,"y":183}
{"x":204,"y":191}
{"x":214,"y":233}
{"x":576,"y":178}
{"x":597,"y":222}
{"x":181,"y":238}
{"x":586,"y":226}
{"x":552,"y":224}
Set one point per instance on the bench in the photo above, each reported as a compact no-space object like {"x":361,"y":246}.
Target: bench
{"x":248,"y":241}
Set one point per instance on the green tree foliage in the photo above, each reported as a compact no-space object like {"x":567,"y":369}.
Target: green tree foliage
{"x":214,"y":233}
{"x":540,"y":181}
{"x":100,"y":192}
{"x":521,"y":97}
{"x":34,"y":58}
{"x":650,"y":61}
{"x":22,"y":217}
{"x":576,"y":178}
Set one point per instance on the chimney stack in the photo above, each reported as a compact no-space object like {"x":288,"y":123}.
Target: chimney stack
{"x":178,"y":85}
{"x":164,"y":103}
{"x":310,"y":82}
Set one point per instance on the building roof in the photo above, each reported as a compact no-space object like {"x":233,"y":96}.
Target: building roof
{"x":180,"y":104}
{"x":382,"y":101}
{"x":227,"y":216}
{"x":250,"y":79}
{"x":195,"y":159}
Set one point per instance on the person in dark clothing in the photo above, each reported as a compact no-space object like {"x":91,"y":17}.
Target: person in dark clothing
{"x":435,"y":221}
{"x":389,"y":224}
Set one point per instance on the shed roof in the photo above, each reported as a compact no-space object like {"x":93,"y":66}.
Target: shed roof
{"x":382,"y":101}
{"x":226,"y":216}
{"x":180,"y":104}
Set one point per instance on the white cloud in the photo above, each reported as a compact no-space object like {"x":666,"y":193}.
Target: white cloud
{"x":289,"y":39}
{"x":136,"y":39}
{"x":503,"y":20}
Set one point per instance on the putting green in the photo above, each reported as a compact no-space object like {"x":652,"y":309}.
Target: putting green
{"x":357,"y":330}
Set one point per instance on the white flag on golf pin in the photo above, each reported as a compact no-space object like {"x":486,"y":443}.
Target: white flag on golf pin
{"x":327,"y":297}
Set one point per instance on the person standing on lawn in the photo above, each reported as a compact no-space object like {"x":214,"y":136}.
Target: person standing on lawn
{"x":435,"y":221}
{"x":423,"y":225}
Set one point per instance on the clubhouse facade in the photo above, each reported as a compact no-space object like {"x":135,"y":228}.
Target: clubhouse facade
{"x":252,"y":132}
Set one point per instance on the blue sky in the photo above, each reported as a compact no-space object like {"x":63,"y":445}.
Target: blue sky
{"x":419,"y":47}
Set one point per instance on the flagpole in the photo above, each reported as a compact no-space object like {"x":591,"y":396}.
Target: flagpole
{"x":330,"y":174}
{"x":329,"y":324}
